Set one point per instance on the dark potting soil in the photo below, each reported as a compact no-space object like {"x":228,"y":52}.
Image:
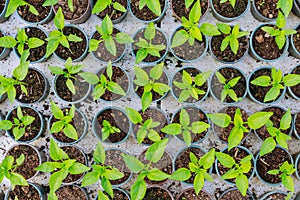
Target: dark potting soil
{"x":235,"y":194}
{"x":276,"y":196}
{"x":31,"y":161}
{"x":70,"y":192}
{"x":76,"y":48}
{"x":259,"y":92}
{"x":2,"y":5}
{"x":271,"y":161}
{"x":159,"y":39}
{"x":140,"y":90}
{"x":178,"y":77}
{"x":226,"y":9}
{"x":114,"y":159}
{"x":229,"y":73}
{"x":119,"y":77}
{"x":102,"y":53}
{"x":191,"y":195}
{"x":145,"y":13}
{"x":35,"y":85}
{"x":297,"y":123}
{"x":39,"y":52}
{"x":187,"y":52}
{"x":111,"y":12}
{"x":77,"y":122}
{"x":178,"y":5}
{"x":116,"y":118}
{"x":296,"y":89}
{"x":24,"y":12}
{"x":267,"y":8}
{"x":1,"y":35}
{"x":275,"y":118}
{"x":265,"y":45}
{"x":298,"y":3}
{"x":156,"y":193}
{"x":33,"y":129}
{"x":296,"y":39}
{"x":227,"y":55}
{"x":195,"y":115}
{"x":81,"y":88}
{"x":238,"y":154}
{"x":164,"y":164}
{"x":223,"y":133}
{"x":157,"y":116}
{"x":118,"y":195}
{"x":80,"y":7}
{"x":24,"y":193}
{"x":183,"y":160}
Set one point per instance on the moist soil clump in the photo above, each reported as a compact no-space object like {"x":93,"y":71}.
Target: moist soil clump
{"x":25,"y":13}
{"x":178,"y":5}
{"x":80,"y":7}
{"x":267,"y":8}
{"x":296,"y":89}
{"x":118,"y":195}
{"x":2,"y":5}
{"x":226,"y":9}
{"x":235,"y":194}
{"x":111,"y":12}
{"x":191,"y":195}
{"x":70,"y":192}
{"x":24,"y":193}
{"x":156,"y":193}
{"x":144,"y":14}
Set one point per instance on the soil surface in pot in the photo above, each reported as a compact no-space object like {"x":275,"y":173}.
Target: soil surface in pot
{"x":119,"y":77}
{"x":191,"y":195}
{"x":116,"y":118}
{"x":118,"y":195}
{"x":296,"y":39}
{"x":43,"y":11}
{"x":178,"y":77}
{"x":235,"y":194}
{"x":114,"y":159}
{"x":178,"y":5}
{"x":183,"y":160}
{"x":259,"y":92}
{"x":76,"y":48}
{"x":157,"y":116}
{"x":2,"y":5}
{"x":195,"y":115}
{"x":297,"y":123}
{"x":144,"y":14}
{"x":140,"y":90}
{"x":226,"y":9}
{"x":39,"y":52}
{"x":33,"y":129}
{"x":265,"y":45}
{"x":31,"y":161}
{"x":276,"y":196}
{"x":164,"y":164}
{"x":70,"y":192}
{"x":102,"y":53}
{"x":159,"y":39}
{"x":35,"y":85}
{"x":111,"y":12}
{"x":267,"y":8}
{"x":80,"y":7}
{"x":188,"y":52}
{"x":81,"y":88}
{"x":223,"y":133}
{"x":229,"y":74}
{"x":77,"y":122}
{"x":275,"y":118}
{"x":1,"y":35}
{"x":271,"y":161}
{"x":296,"y":89}
{"x":156,"y":193}
{"x":24,"y":193}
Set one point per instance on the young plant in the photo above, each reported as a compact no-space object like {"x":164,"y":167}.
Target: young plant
{"x":189,"y":85}
{"x":285,"y":6}
{"x":63,"y":122}
{"x":103,"y":173}
{"x":146,"y":46}
{"x":233,"y":34}
{"x":54,"y":2}
{"x":150,"y":83}
{"x":186,"y":128}
{"x":153,"y":5}
{"x":106,"y":31}
{"x":57,"y":37}
{"x":153,"y":155}
{"x":237,"y":170}
{"x":276,"y":134}
{"x":19,"y":125}
{"x":14,"y":4}
{"x":232,"y":2}
{"x":7,"y":170}
{"x":145,"y":128}
{"x":199,"y":167}
{"x":279,"y":33}
{"x":61,"y":166}
{"x":255,"y":121}
{"x":101,"y":5}
{"x":277,"y":82}
{"x":108,"y":129}
{"x":102,"y":83}
{"x":227,"y":87}
{"x":286,"y":171}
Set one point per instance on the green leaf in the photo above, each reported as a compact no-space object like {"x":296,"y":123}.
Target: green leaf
{"x":242,"y":183}
{"x":115,"y":88}
{"x":20,"y":72}
{"x":184,"y":118}
{"x":57,"y":127}
{"x":272,"y":94}
{"x":234,"y":45}
{"x":20,"y":160}
{"x":8,"y":42}
{"x":280,"y":20}
{"x":267,"y":146}
{"x":198,"y":183}
{"x":154,"y":6}
{"x":98,"y":91}
{"x":51,"y":46}
{"x":90,"y":178}
{"x":224,"y":28}
{"x":157,"y":175}
{"x":107,"y":187}
{"x":209,"y":30}
{"x":220,"y":119}
{"x":141,"y":55}
{"x":154,"y":136}
{"x":11,"y":93}
{"x":285,"y":6}
{"x":179,"y":38}
{"x":225,"y":43}
{"x":5,"y":125}
{"x":35,"y":42}
{"x":18,"y":132}
{"x":138,"y":190}
{"x":156,"y":150}
{"x":78,"y":168}
{"x":181,"y":174}
{"x":199,"y":127}
{"x":231,"y":174}
{"x":74,"y":38}
{"x":110,"y":46}
{"x":133,"y":163}
{"x":235,"y":137}
{"x":157,"y":71}
{"x":220,"y":77}
{"x":263,"y":81}
{"x":100,"y":6}
{"x":195,"y":13}
{"x":57,"y":153}
{"x":188,"y":3}
{"x":56,"y":111}
{"x":225,"y":160}
{"x":286,"y":120}
{"x":208,"y":159}
{"x":172,"y":129}
{"x":273,"y":172}
{"x":7,"y":162}
{"x":114,"y":174}
{"x":12,"y":6}
{"x":59,"y":20}
{"x":71,"y":86}
{"x":89,"y":77}
{"x":291,"y":79}
{"x":99,"y":154}
{"x":27,"y":120}
{"x":150,"y":31}
{"x":49,"y":166}
{"x":257,"y":120}
{"x":17,"y":179}
{"x":134,"y":115}
{"x":119,"y":7}
{"x":146,"y":100}
{"x":56,"y":179}
{"x":123,"y":38}
{"x":288,"y":183}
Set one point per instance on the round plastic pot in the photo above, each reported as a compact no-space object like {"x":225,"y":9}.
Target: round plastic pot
{"x":253,"y":98}
{"x":2,"y":14}
{"x":290,"y":89}
{"x":120,"y":189}
{"x":44,"y":21}
{"x":230,"y":189}
{"x":296,"y":9}
{"x":5,"y":51}
{"x":296,"y":166}
{"x":162,"y":188}
{"x":39,"y":189}
{"x":292,"y":48}
{"x":257,"y":15}
{"x":294,"y":127}
{"x":266,"y":196}
{"x":227,"y":19}
{"x":258,"y":57}
{"x":3,"y":97}
{"x":95,"y":125}
{"x":82,"y":134}
{"x":1,"y":131}
{"x":191,"y":188}
{"x":82,"y":189}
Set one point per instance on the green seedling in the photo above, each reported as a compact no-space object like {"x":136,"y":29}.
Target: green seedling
{"x":54,"y":2}
{"x":153,"y":5}
{"x":101,"y":5}
{"x":108,"y":129}
{"x":285,"y":6}
{"x":14,"y":4}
